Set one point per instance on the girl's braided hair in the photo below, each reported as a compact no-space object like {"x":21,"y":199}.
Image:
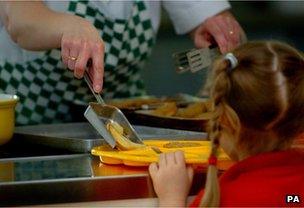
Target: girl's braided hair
{"x":262,"y":95}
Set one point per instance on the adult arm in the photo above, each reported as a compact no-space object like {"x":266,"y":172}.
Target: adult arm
{"x":221,"y":29}
{"x":33,"y":26}
{"x":203,"y":19}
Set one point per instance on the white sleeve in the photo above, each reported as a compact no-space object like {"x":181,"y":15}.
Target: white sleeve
{"x":186,"y":15}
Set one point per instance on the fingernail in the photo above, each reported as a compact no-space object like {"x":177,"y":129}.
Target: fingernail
{"x":78,"y":76}
{"x":97,"y":88}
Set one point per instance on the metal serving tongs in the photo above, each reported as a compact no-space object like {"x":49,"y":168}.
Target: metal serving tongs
{"x":99,"y":114}
{"x":195,"y":59}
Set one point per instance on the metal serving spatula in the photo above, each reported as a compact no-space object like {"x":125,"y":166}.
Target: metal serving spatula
{"x":99,"y":114}
{"x":195,"y":59}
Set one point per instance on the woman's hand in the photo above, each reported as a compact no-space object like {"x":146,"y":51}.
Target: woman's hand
{"x":33,"y":26}
{"x":171,"y":179}
{"x":222,"y":30}
{"x":80,"y":43}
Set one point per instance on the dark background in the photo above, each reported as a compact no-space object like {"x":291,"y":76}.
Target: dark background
{"x":279,"y":20}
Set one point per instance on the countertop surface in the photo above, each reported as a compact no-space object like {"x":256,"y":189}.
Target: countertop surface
{"x":32,"y":174}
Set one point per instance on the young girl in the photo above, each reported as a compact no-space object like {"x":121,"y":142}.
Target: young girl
{"x":258,"y":94}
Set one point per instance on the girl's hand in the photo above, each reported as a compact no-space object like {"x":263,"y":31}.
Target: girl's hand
{"x":171,"y":179}
{"x":80,"y":43}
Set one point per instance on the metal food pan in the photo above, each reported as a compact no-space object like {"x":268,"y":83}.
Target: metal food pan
{"x":81,"y":137}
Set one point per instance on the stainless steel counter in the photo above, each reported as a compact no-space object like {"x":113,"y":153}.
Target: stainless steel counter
{"x":73,"y":178}
{"x":37,"y":174}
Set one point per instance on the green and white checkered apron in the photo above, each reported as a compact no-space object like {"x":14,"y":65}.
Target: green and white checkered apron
{"x":46,"y":89}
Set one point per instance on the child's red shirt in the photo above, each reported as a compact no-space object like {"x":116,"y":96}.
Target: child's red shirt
{"x":271,"y":179}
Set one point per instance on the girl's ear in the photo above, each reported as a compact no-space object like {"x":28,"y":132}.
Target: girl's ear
{"x":228,"y":139}
{"x":230,"y":122}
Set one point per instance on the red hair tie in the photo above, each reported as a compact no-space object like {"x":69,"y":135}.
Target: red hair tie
{"x":212,"y":160}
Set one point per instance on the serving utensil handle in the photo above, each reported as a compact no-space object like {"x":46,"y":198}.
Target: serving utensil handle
{"x":89,"y":82}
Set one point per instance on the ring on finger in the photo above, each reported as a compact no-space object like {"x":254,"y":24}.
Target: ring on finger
{"x":72,"y":58}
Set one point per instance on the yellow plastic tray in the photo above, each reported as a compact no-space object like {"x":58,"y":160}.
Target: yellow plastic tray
{"x":197,"y":154}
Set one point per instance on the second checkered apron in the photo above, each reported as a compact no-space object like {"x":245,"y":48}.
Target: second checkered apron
{"x":46,"y":89}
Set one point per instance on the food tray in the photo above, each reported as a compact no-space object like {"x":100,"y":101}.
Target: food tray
{"x":196,"y":152}
{"x":82,"y":137}
{"x":193,"y":116}
{"x":145,"y":117}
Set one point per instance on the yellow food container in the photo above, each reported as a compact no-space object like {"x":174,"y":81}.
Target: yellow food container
{"x":196,"y":153}
{"x":7,"y":116}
